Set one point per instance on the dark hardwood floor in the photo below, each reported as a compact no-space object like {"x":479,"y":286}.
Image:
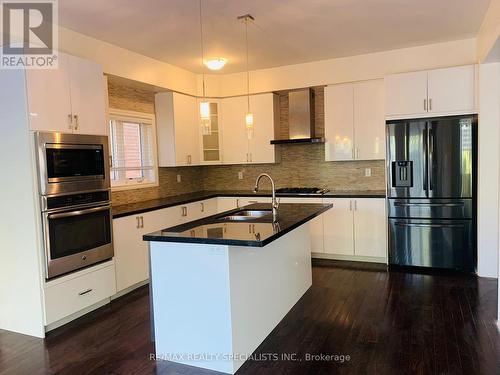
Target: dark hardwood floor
{"x":386,"y":322}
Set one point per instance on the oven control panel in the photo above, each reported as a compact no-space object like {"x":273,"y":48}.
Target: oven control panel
{"x":76,"y":199}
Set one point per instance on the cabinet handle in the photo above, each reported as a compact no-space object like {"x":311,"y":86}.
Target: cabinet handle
{"x":70,"y":121}
{"x":184,"y":211}
{"x":237,"y":203}
{"x":251,"y":157}
{"x":85,"y":292}
{"x":202,"y":207}
{"x":355,"y":205}
{"x":142,"y":221}
{"x":430,"y":104}
{"x":138,"y":225}
{"x":77,"y":122}
{"x":425,"y":104}
{"x":350,"y":205}
{"x":189,"y":159}
{"x":250,"y":228}
{"x":353,"y":155}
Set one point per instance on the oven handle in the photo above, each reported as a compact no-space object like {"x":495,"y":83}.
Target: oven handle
{"x":72,"y":146}
{"x":79,"y":212}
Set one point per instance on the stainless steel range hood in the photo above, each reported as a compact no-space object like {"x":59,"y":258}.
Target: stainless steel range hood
{"x":301,"y":126}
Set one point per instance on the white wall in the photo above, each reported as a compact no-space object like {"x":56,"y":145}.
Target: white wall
{"x":488,"y":171}
{"x":20,"y":281}
{"x":488,"y":38}
{"x":125,"y":63}
{"x":347,"y":69}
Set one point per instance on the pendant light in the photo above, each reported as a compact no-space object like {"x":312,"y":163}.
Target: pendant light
{"x":205,"y":120}
{"x":249,"y":119}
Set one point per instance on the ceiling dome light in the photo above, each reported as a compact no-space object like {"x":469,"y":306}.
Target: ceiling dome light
{"x":215,"y":64}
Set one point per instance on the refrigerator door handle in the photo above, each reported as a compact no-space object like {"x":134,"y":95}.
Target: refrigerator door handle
{"x":430,"y":142}
{"x":401,"y":224}
{"x":399,"y":204}
{"x":426,"y":166}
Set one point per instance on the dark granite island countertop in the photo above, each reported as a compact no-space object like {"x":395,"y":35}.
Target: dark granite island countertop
{"x":256,"y":232}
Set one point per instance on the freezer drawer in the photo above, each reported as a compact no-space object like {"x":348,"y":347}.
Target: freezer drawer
{"x":430,"y":208}
{"x":432,"y":243}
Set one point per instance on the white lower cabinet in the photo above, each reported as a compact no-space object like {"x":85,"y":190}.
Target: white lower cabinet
{"x":339,"y":227}
{"x":315,"y":225}
{"x":370,"y":228}
{"x":353,"y":227}
{"x":131,"y":252}
{"x":70,"y":294}
{"x":356,"y":227}
{"x":226,"y":203}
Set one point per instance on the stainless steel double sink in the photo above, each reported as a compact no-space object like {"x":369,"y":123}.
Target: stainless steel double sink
{"x":247,"y":215}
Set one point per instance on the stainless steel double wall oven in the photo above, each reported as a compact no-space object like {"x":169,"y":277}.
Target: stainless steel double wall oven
{"x":74,"y":183}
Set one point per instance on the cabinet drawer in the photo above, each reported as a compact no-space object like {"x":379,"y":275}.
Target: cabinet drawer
{"x":75,"y":294}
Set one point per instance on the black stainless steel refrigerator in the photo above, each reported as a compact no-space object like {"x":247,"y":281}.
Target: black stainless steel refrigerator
{"x":431,"y":168}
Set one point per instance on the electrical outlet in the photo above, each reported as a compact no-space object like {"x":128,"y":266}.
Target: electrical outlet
{"x":240,"y":175}
{"x":179,"y":178}
{"x":368,"y":172}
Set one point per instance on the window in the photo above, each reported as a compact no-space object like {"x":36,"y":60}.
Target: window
{"x":133,"y":149}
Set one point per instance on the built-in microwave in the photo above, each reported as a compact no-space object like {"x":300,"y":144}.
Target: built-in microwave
{"x":70,"y":163}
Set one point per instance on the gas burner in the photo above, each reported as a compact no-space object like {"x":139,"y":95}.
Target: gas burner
{"x":302,"y":191}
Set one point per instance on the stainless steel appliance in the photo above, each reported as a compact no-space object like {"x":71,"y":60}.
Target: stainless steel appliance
{"x":302,"y":191}
{"x":70,"y":163}
{"x":73,"y":173}
{"x":301,"y":118}
{"x":431,"y":167}
{"x":77,"y":231}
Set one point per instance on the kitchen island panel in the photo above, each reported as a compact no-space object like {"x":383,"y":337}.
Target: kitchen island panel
{"x":215,"y":304}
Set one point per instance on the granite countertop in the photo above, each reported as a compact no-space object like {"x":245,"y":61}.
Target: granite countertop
{"x":255,"y":233}
{"x":156,"y":204}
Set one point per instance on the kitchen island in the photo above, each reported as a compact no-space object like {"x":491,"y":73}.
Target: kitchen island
{"x":220,"y":285}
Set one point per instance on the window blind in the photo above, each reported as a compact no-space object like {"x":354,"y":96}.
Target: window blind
{"x":132,"y":150}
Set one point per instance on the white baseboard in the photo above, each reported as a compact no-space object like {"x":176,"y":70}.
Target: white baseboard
{"x":130,"y":289}
{"x":351,"y":258}
{"x":76,"y":315}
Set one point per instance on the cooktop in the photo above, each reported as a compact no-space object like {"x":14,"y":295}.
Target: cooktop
{"x":302,"y":190}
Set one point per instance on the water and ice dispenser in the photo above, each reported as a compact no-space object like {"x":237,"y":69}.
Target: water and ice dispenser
{"x":402,"y":173}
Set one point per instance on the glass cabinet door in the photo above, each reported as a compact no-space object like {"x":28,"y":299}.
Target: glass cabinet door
{"x":210,"y":143}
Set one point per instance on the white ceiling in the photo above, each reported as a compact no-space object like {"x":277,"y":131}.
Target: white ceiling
{"x":284,"y":32}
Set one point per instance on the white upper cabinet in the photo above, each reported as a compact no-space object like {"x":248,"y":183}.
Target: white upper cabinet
{"x":369,"y":121}
{"x":238,"y":147}
{"x":211,"y":143}
{"x":178,"y":129}
{"x":68,"y":99}
{"x":339,"y":122}
{"x":234,"y":135}
{"x":88,"y":99}
{"x":452,"y":90}
{"x":406,"y":94}
{"x":354,"y":121}
{"x":438,"y":92}
{"x":265,"y":111}
{"x":181,"y":142}
{"x":49,"y":98}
